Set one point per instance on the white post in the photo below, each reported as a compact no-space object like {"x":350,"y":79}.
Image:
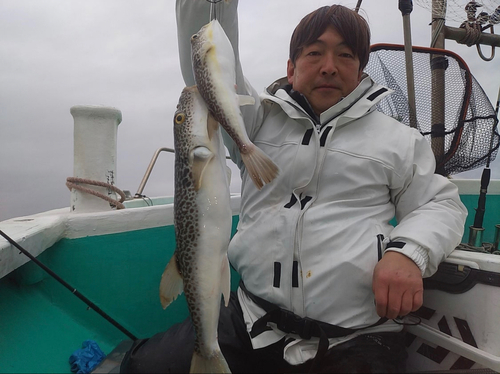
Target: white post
{"x":95,"y":133}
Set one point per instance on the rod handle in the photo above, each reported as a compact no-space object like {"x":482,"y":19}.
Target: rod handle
{"x":405,"y":6}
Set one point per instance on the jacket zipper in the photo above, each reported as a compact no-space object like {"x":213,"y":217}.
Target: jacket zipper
{"x":298,"y":236}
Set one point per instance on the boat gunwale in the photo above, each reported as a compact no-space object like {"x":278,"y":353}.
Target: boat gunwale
{"x":40,"y":231}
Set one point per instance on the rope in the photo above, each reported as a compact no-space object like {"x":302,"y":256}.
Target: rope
{"x":437,"y":30}
{"x":485,"y":248}
{"x":472,"y":33}
{"x":71,"y":183}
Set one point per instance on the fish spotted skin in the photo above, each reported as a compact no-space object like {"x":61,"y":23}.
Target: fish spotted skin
{"x":202,"y":220}
{"x":214,"y":72}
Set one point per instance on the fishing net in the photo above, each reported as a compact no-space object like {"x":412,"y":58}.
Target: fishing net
{"x":453,"y":113}
{"x":454,"y":10}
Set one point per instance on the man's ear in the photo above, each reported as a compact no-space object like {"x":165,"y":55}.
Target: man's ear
{"x":290,"y":71}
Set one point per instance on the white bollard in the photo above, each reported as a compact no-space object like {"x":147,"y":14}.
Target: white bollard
{"x":95,"y":134}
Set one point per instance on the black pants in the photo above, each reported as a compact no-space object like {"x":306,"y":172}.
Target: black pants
{"x":171,"y":351}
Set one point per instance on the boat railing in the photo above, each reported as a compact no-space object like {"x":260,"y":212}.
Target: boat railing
{"x":138,"y":194}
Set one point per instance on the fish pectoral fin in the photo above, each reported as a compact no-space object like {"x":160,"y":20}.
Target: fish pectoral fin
{"x":201,"y":159}
{"x":225,"y":283}
{"x":171,"y":284}
{"x":246,"y":100}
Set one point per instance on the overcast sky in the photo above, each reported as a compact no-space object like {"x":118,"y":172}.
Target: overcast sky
{"x":123,"y":53}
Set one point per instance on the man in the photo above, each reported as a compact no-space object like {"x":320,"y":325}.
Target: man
{"x":324,"y":274}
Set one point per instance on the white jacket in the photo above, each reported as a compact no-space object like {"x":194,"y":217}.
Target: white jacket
{"x":309,"y":240}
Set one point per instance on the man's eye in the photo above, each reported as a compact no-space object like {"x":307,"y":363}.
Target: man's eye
{"x":348,"y":55}
{"x":313,"y":53}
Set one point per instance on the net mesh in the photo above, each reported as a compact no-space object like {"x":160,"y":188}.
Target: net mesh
{"x":455,"y":9}
{"x":464,"y":134}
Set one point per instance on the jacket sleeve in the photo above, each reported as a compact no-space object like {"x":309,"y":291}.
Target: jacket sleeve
{"x":191,"y":15}
{"x":429,"y":212}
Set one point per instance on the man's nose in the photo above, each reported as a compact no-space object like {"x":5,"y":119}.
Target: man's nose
{"x":329,"y":66}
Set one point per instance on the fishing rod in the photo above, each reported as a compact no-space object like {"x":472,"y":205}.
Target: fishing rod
{"x":69,"y":287}
{"x":358,"y":5}
{"x":406,"y":7}
{"x":477,"y":229}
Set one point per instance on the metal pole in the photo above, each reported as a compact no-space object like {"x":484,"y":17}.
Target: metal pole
{"x":138,"y":194}
{"x":144,"y":180}
{"x":406,"y":7}
{"x":456,"y":34}
{"x":438,"y":68}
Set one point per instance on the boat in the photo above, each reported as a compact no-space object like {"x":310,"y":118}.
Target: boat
{"x":116,"y":257}
{"x":91,"y":271}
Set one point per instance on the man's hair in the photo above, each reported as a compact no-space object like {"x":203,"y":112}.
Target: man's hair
{"x":350,"y":25}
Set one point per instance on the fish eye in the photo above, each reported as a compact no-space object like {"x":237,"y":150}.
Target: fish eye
{"x":180,"y":118}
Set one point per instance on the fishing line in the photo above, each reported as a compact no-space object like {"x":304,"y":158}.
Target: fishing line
{"x":69,"y":287}
{"x":213,"y":9}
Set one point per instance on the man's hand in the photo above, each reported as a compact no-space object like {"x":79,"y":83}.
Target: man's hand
{"x":397,"y":285}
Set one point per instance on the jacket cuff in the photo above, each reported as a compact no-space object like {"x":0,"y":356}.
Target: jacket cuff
{"x":413,"y":251}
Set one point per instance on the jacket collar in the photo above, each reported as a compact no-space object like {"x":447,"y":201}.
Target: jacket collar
{"x":302,"y":101}
{"x":367,"y":94}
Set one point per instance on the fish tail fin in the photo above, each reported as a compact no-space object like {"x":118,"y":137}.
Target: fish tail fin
{"x":214,"y":364}
{"x":171,"y":284}
{"x":260,"y":167}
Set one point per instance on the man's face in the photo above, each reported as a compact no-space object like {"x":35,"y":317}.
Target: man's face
{"x":325,"y":71}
